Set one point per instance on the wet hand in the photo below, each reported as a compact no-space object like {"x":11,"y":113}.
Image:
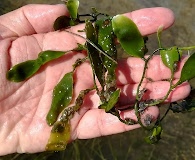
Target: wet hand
{"x":23,"y":106}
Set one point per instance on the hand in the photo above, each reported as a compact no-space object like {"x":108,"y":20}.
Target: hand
{"x":23,"y":106}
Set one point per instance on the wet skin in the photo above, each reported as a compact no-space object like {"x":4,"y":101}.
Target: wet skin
{"x":23,"y":106}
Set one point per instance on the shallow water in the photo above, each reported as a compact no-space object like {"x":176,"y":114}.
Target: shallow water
{"x":178,"y":140}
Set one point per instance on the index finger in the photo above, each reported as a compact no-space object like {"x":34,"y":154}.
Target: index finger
{"x":32,"y":19}
{"x":148,"y":20}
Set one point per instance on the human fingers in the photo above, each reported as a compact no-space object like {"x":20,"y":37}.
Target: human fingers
{"x":129,"y":73}
{"x":129,"y":78}
{"x":154,"y":90}
{"x":130,"y":70}
{"x":29,"y":16}
{"x":62,"y":40}
{"x":30,"y":19}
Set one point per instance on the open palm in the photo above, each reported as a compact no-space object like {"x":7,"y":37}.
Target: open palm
{"x":24,"y":106}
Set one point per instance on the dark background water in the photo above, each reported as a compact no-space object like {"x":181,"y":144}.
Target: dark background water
{"x":178,"y":139}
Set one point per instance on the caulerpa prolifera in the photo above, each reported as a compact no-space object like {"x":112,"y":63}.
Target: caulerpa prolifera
{"x":101,"y":31}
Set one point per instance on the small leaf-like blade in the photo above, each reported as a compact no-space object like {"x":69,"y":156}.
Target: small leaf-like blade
{"x":170,"y":57}
{"x":188,"y":70}
{"x":129,"y":36}
{"x":59,"y":137}
{"x":61,"y":23}
{"x":94,"y":55}
{"x":62,"y":96}
{"x":23,"y":71}
{"x":106,"y":40}
{"x":156,"y":135}
{"x":72,"y":6}
{"x":49,"y":55}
